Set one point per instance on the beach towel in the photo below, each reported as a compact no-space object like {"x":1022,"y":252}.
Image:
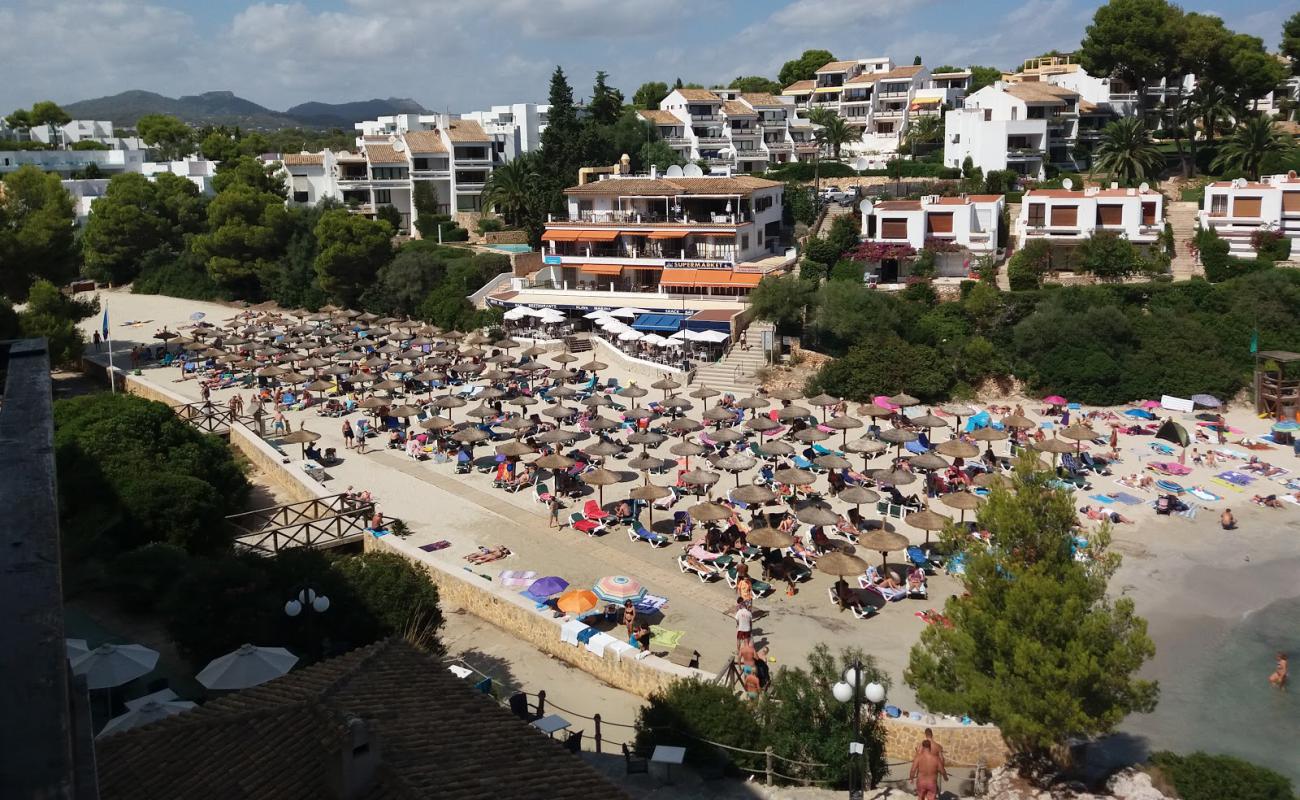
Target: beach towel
{"x":1170,"y":486}
{"x":662,"y":637}
{"x":517,"y":577}
{"x":1227,"y":485}
{"x":1101,"y":498}
{"x":651,"y":604}
{"x":1190,"y":513}
{"x":441,"y":544}
{"x":1201,"y":494}
{"x":1162,"y":449}
{"x":1169,"y":468}
{"x":1126,"y":498}
{"x":1234,"y":477}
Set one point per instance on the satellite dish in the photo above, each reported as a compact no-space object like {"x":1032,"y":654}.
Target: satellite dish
{"x":673,"y":172}
{"x":1144,"y":187}
{"x":1067,"y":183}
{"x":860,"y":163}
{"x":866,"y":206}
{"x":692,"y":171}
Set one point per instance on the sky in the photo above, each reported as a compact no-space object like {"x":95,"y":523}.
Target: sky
{"x":464,"y":55}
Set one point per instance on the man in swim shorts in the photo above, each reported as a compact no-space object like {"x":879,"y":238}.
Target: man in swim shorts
{"x":926,"y":769}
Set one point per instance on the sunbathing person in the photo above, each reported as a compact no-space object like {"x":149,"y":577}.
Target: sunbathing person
{"x":1269,"y":501}
{"x":885,"y":580}
{"x":799,"y":549}
{"x":916,"y":580}
{"x":845,"y":596}
{"x":1105,"y":515}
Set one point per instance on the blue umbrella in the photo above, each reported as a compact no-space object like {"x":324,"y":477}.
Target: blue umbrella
{"x":548,"y":586}
{"x":197,"y":315}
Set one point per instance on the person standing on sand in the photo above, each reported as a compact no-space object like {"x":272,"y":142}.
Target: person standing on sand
{"x":1221,"y":428}
{"x":926,"y":769}
{"x":1278,"y":678}
{"x":553,"y":504}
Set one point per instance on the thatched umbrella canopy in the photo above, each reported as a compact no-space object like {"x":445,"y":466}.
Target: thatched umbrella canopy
{"x":1018,"y":421}
{"x":761,"y":424}
{"x":700,"y":478}
{"x":791,"y":476}
{"x":648,"y":493}
{"x":857,"y":495}
{"x":813,"y":514}
{"x":684,"y":425}
{"x":769,"y":537}
{"x":988,"y":480}
{"x":556,"y":436}
{"x":709,"y":511}
{"x":928,"y":461}
{"x":988,"y":435}
{"x":810,"y":435}
{"x":776,"y":448}
{"x":832,"y":461}
{"x":301,"y":436}
{"x":469,"y":435}
{"x":962,"y":501}
{"x":554,"y":462}
{"x":927,"y":521}
{"x":893,"y":477}
{"x":956,"y":448}
{"x":599,"y":423}
{"x":726,"y":435}
{"x":787,"y":393}
{"x":666,"y":385}
{"x":903,"y":400}
{"x":874,"y":411}
{"x":841,"y":563}
{"x":514,"y":448}
{"x":753,"y":493}
{"x":602,"y":448}
{"x":753,"y":402}
{"x":436,"y":423}
{"x":793,"y":412}
{"x":843,"y":424}
{"x":882,"y":541}
{"x":600,"y":478}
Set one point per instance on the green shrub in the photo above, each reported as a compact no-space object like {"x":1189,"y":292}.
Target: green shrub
{"x":690,"y":710}
{"x":489,"y":225}
{"x":813,"y":271}
{"x":805,"y":171}
{"x":1271,"y":245}
{"x":823,"y":251}
{"x":847,"y":270}
{"x":887,"y":366}
{"x":140,"y":578}
{"x":1200,"y":776}
{"x":163,"y":272}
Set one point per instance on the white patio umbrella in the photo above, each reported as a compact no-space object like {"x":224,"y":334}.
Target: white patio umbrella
{"x":76,"y":647}
{"x":519,"y":312}
{"x":630,"y":335}
{"x":710,"y":336}
{"x":595,"y":314}
{"x":628,"y":312}
{"x":112,"y":665}
{"x":551,"y":315}
{"x":145,"y":713}
{"x":247,"y":666}
{"x":655,"y":339}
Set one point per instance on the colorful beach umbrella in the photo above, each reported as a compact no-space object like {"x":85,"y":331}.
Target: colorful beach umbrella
{"x":617,"y":588}
{"x":577,"y":601}
{"x":548,"y":586}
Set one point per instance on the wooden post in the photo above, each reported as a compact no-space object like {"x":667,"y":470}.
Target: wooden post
{"x":596,"y":718}
{"x":767,"y":753}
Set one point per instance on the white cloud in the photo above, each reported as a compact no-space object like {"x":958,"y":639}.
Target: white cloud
{"x":836,"y":15}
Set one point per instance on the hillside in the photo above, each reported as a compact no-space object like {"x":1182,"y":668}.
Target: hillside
{"x":226,"y":108}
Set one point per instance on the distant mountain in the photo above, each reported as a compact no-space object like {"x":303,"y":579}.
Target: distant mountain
{"x":343,"y":115}
{"x":225,"y":108}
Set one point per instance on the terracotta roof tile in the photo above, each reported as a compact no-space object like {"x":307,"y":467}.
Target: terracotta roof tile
{"x":836,"y":66}
{"x":864,"y":79}
{"x":669,"y":187}
{"x":425,"y":142}
{"x":760,"y":99}
{"x":699,"y":95}
{"x":735,"y":108}
{"x":383,"y":154}
{"x":899,"y":73}
{"x":799,"y":86}
{"x":660,"y":117}
{"x":302,"y":159}
{"x":1036,"y":92}
{"x":435,"y":736}
{"x":466,"y":130}
{"x":899,"y":205}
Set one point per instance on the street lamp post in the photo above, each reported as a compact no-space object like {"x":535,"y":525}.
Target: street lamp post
{"x":308,"y":601}
{"x":851,"y":689}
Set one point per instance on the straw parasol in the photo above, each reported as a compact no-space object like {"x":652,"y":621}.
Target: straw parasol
{"x":558,"y":411}
{"x":593,"y":366}
{"x":564,"y":358}
{"x":646,"y":438}
{"x":602,"y":448}
{"x":752,"y":494}
{"x":903,"y":400}
{"x":791,"y":476}
{"x":792,"y":412}
{"x":776,"y":448}
{"x":709,"y":512}
{"x":761,"y":424}
{"x":469,"y":435}
{"x":857,"y":495}
{"x":1018,"y":421}
{"x":514,"y":448}
{"x":867,"y":447}
{"x":813,"y":514}
{"x":987,"y":480}
{"x":699,"y":477}
{"x":600,"y":478}
{"x":554,"y":462}
{"x":686,"y":449}
{"x":898,"y":436}
{"x":718,"y":414}
{"x":684,"y":425}
{"x":404,"y":412}
{"x":302,"y":437}
{"x":875,"y":411}
{"x":956,"y":448}
{"x":988,"y":435}
{"x":841,"y":563}
{"x":726,"y":435}
{"x":893,"y":477}
{"x":556,"y":436}
{"x":962,"y":501}
{"x":843,"y":424}
{"x":832,"y":461}
{"x":599,"y":423}
{"x":786,"y":393}
{"x":666,"y":385}
{"x":928,"y":461}
{"x":736,"y":464}
{"x":769,"y":537}
{"x":927,"y":521}
{"x":633,"y":391}
{"x":929,"y":421}
{"x":704,"y":393}
{"x":882,"y":541}
{"x":810,"y":435}
{"x":436,"y":423}
{"x":649,"y":493}
{"x":1079,"y":433}
{"x":753,"y":402}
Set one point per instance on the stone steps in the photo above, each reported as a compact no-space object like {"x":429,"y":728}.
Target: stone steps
{"x":1182,"y":218}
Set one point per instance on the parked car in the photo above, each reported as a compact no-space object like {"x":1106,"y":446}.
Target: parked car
{"x":844,"y":197}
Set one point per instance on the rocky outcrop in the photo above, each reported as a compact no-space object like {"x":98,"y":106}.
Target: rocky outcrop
{"x":1130,"y":784}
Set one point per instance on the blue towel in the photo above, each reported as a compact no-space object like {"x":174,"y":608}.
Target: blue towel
{"x":1101,"y":498}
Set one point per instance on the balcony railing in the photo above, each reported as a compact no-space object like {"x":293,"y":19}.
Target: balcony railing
{"x":637,"y":218}
{"x":714,"y":140}
{"x":706,"y":117}
{"x":751,"y":155}
{"x":676,"y":141}
{"x":745,"y":132}
{"x":778,"y":147}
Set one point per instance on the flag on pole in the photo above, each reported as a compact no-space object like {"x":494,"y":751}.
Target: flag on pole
{"x":1254,"y":341}
{"x":104,"y":332}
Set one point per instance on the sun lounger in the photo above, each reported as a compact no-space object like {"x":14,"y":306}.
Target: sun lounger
{"x":592,"y":511}
{"x":639,"y":533}
{"x":761,"y":588}
{"x":541,"y":493}
{"x":701,"y":569}
{"x":863,"y":608}
{"x":587,"y":526}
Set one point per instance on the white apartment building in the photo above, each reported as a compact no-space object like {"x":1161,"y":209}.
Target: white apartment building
{"x":672,"y":233}
{"x":1016,"y":126}
{"x":731,"y":130}
{"x":1237,"y":209}
{"x":198,"y":171}
{"x":969,"y":221}
{"x":1070,"y":216}
{"x":877,"y":97}
{"x":451,"y":157}
{"x":515,"y":128}
{"x":66,"y":162}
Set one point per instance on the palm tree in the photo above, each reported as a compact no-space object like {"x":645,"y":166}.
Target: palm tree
{"x":834,"y":131}
{"x":508,"y":188}
{"x":1212,"y":105}
{"x":1127,"y":153}
{"x":927,"y":129}
{"x":1250,"y":145}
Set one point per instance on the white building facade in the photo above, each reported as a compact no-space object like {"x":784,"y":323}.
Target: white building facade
{"x":728,"y":129}
{"x":1236,"y":210}
{"x":515,"y":129}
{"x":1071,"y":216}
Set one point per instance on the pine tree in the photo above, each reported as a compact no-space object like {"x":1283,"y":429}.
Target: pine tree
{"x":560,"y":141}
{"x":606,"y":102}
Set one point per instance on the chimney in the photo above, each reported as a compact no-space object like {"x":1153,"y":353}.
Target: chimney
{"x":654,"y":172}
{"x":359,"y":759}
{"x":1114,"y":184}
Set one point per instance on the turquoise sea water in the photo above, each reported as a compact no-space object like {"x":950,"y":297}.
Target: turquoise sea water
{"x":1219,"y":699}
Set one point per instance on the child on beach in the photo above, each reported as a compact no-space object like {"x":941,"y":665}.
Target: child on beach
{"x":1278,"y":678}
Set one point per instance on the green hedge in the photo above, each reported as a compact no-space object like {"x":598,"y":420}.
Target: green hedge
{"x":1200,"y":776}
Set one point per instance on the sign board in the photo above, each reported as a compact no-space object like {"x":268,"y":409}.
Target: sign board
{"x":1176,"y":404}
{"x":552,"y":260}
{"x":767,"y":340}
{"x":696,"y":264}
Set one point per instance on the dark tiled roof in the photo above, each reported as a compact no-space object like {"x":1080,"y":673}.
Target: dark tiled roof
{"x":286,"y":739}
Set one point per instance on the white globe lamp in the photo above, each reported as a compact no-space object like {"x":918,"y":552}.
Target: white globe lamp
{"x":875,"y":692}
{"x":843,"y":692}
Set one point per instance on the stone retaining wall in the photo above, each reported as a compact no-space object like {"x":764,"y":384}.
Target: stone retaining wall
{"x":963,"y":745}
{"x":512,"y":613}
{"x":644,"y":369}
{"x":505,"y":237}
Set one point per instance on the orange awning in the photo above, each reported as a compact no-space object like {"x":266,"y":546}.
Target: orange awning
{"x":724,"y":234}
{"x":749,"y":279}
{"x":678,"y":277}
{"x":602,"y":269}
{"x":560,"y":236}
{"x":597,"y":236}
{"x":667,"y":234}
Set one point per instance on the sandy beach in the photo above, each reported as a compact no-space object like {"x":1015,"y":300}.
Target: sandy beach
{"x":1193,"y":581}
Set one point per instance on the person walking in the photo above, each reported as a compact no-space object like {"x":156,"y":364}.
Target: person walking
{"x":926,"y":769}
{"x":553,"y":505}
{"x":744,"y":624}
{"x":348,"y":435}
